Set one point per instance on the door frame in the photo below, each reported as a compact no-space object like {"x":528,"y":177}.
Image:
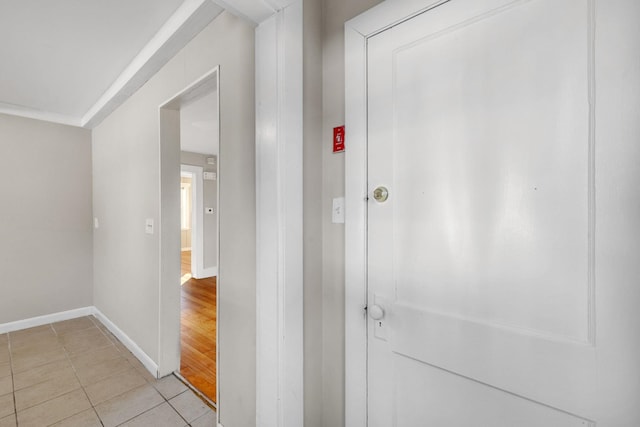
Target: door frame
{"x":197,"y":219}
{"x":169,"y":254}
{"x":357,"y":32}
{"x":279,"y":219}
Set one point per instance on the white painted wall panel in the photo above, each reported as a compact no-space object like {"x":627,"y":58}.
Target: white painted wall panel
{"x":46,"y":218}
{"x":126,"y":151}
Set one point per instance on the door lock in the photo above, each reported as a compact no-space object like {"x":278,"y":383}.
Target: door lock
{"x":380,"y":194}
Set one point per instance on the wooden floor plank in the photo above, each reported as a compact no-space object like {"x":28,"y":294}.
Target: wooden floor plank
{"x":198,"y":331}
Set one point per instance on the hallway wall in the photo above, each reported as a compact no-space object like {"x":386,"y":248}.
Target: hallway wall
{"x":335,"y":14}
{"x":46,"y":218}
{"x":126,"y":192}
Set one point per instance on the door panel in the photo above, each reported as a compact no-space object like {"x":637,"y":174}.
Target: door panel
{"x":479,"y":125}
{"x":461,"y":402}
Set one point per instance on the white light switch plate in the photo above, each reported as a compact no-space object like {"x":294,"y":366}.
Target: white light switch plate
{"x":337,"y":211}
{"x":148,"y":227}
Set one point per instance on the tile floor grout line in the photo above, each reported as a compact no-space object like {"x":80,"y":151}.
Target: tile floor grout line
{"x":75,"y":373}
{"x":176,"y":409}
{"x":211,"y":404}
{"x":110,"y":376}
{"x":120,"y":352}
{"x":144,"y":412}
{"x":82,"y":386}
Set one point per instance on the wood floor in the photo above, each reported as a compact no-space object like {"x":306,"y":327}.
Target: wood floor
{"x":198,"y":331}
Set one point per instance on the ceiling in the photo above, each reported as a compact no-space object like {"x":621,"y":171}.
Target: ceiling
{"x":75,"y":61}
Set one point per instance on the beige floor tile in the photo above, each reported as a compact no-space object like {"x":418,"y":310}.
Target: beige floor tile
{"x":41,"y":374}
{"x":128,"y":405}
{"x":4,"y":339}
{"x":124,"y":350}
{"x":163,"y":415}
{"x":72,"y":325}
{"x":111,"y":337}
{"x":105,"y":330}
{"x":39,"y":393}
{"x":90,"y":358}
{"x":22,"y":332}
{"x":9,"y":421}
{"x":6,"y":405}
{"x":85,"y":340}
{"x":114,"y":386}
{"x":54,"y":410}
{"x":207,"y":420}
{"x":26,"y":336}
{"x":88,"y":418}
{"x":33,"y":360}
{"x":6,"y":385}
{"x":40,"y":345}
{"x":189,"y":406}
{"x":92,"y":374}
{"x":4,"y":355}
{"x":142,"y":370}
{"x":169,"y":386}
{"x":5,"y":369}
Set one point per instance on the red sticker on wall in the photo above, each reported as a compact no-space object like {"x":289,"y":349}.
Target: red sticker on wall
{"x":338,"y":139}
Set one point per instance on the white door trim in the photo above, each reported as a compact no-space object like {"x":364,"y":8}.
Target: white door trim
{"x":357,"y":31}
{"x":169,"y":220}
{"x":197,"y":220}
{"x":279,"y":286}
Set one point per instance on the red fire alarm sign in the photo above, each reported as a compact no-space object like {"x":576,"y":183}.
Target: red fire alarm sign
{"x":338,"y":139}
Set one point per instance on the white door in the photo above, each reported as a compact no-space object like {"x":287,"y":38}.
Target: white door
{"x":481,"y":258}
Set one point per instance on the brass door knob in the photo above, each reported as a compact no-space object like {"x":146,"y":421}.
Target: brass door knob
{"x":380,"y":194}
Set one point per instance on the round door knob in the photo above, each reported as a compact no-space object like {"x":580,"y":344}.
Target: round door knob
{"x":376,"y":312}
{"x":380,"y":194}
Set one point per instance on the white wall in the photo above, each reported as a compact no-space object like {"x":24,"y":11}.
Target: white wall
{"x":312,"y":211}
{"x":45,"y":219}
{"x":199,"y":128}
{"x":210,"y":196}
{"x":126,"y":191}
{"x":335,"y":13}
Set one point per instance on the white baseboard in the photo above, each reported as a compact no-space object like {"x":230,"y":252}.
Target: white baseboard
{"x":45,"y":319}
{"x":81,"y":312}
{"x":207,"y":272}
{"x":148,"y":363}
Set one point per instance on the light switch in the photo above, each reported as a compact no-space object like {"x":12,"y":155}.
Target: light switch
{"x":337,"y":212}
{"x":148,"y":228}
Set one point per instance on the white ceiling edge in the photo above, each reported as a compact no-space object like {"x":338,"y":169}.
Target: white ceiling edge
{"x":190,"y":18}
{"x":186,"y":22}
{"x":30,"y":113}
{"x":254,"y":11}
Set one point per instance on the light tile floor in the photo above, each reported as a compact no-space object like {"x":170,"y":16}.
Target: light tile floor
{"x":77,"y":374}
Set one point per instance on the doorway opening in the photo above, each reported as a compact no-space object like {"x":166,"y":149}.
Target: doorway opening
{"x":189,"y":132}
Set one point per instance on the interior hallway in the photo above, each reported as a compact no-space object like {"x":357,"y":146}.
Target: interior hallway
{"x":76,"y":373}
{"x":198,"y":330}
